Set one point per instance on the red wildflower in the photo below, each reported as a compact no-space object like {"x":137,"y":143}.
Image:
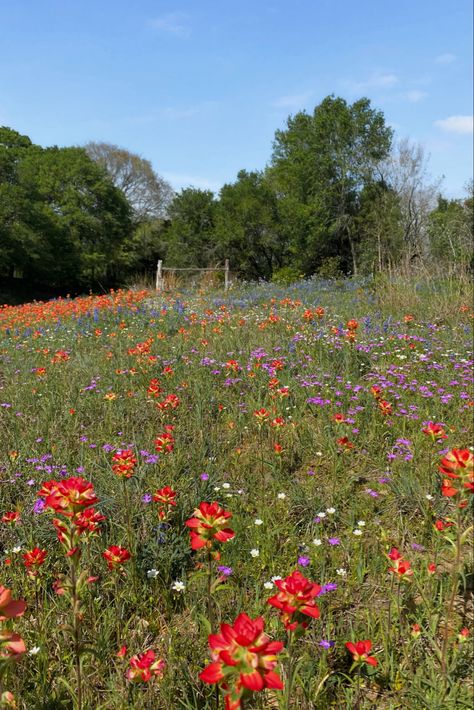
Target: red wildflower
{"x":401,"y":567}
{"x":164,"y":443}
{"x":319,"y":311}
{"x":68,"y":496}
{"x":11,"y":517}
{"x":261,"y":415}
{"x":296,"y":599}
{"x":116,"y":556}
{"x":124,"y":463}
{"x":34,"y":558}
{"x":171,"y":401}
{"x":376,"y":391}
{"x":459,"y":464}
{"x":344,"y":443}
{"x":385,"y":407}
{"x":10,"y":608}
{"x":436,"y":431}
{"x":360,"y":651}
{"x":352,"y":324}
{"x":145,"y":666}
{"x":12,"y":646}
{"x":243,"y":659}
{"x":208,"y":524}
{"x":338,"y":418}
{"x":154,"y":388}
{"x":441,"y":525}
{"x":88,"y":520}
{"x":165,"y":497}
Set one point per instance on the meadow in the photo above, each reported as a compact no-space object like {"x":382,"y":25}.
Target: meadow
{"x":258,"y":499}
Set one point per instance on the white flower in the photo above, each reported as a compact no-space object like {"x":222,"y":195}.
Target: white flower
{"x":317,"y":542}
{"x":357,"y":532}
{"x":33,"y":651}
{"x":178,"y":586}
{"x":255,"y":552}
{"x":268,"y":585}
{"x":16,"y":549}
{"x":281,"y":496}
{"x":257,"y":521}
{"x":319,"y":453}
{"x":217,"y":489}
{"x":275,"y":578}
{"x":226,"y":486}
{"x":320,"y":515}
{"x":152,"y":573}
{"x":428,"y":497}
{"x":341,"y":572}
{"x":330,"y":511}
{"x":360,"y":523}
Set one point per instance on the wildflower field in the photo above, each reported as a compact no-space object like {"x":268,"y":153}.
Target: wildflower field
{"x":257,"y":500}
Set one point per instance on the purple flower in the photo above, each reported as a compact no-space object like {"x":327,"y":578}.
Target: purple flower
{"x":147,"y":498}
{"x":226,"y":571}
{"x":39,"y":506}
{"x":326,"y":644}
{"x":334,"y":541}
{"x":303,"y":561}
{"x":204,"y":476}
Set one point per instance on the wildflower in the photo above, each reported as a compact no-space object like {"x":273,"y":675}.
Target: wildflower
{"x":360,"y":651}
{"x":178,"y":586}
{"x":166,"y":498}
{"x":431,"y":568}
{"x":385,"y":407}
{"x":12,"y":646}
{"x":303,"y":561}
{"x":357,"y":532}
{"x":11,"y":517}
{"x":341,"y":572}
{"x":458,"y":466}
{"x":436,"y":431}
{"x":243,"y":659}
{"x":225,"y":571}
{"x":68,"y":496}
{"x":208,"y":524}
{"x":10,"y":608}
{"x":34,"y":559}
{"x":164,"y":443}
{"x":463,"y":635}
{"x":255,"y":552}
{"x":116,"y":556}
{"x":258,"y":521}
{"x":326,"y":644}
{"x":152,"y":573}
{"x":415,"y":630}
{"x":124,"y":463}
{"x":401,"y":567}
{"x":295,"y":600}
{"x":317,"y":542}
{"x":352,"y":325}
{"x":281,"y":496}
{"x":145,"y":666}
{"x":330,"y":511}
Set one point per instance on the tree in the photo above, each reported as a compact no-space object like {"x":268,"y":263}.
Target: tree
{"x":324,"y":161}
{"x":62,"y":221}
{"x":450,"y":230}
{"x":248,"y":226}
{"x":190,"y":233}
{"x":148,"y":194}
{"x":406,"y":171}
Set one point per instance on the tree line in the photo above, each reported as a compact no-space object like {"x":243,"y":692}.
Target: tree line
{"x":339,"y":196}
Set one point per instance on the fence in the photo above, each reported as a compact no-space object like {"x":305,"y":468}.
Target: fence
{"x":160,"y":282}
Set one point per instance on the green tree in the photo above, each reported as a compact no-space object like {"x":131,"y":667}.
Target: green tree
{"x":324,"y":161}
{"x":451,"y":230}
{"x":190,"y":233}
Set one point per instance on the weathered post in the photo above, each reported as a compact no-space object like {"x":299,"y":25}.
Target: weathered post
{"x":159,"y":276}
{"x":226,"y":275}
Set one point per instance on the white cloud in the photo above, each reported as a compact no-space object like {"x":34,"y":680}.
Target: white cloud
{"x":456,"y":124}
{"x":292,"y":101}
{"x":415,"y":95}
{"x":181,"y":180}
{"x":174,"y":23}
{"x":376,"y":81}
{"x":445,"y":58}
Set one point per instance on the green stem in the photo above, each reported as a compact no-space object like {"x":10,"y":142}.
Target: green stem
{"x":76,"y":624}
{"x":449,"y":611}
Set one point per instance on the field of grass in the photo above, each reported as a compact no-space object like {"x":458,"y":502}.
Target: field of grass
{"x":319,"y":416}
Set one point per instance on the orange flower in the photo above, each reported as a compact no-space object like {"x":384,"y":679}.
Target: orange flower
{"x":385,"y":407}
{"x":116,"y":556}
{"x":458,"y":466}
{"x":124,"y":463}
{"x":34,"y":558}
{"x":165,"y":497}
{"x":10,"y":608}
{"x":164,"y":443}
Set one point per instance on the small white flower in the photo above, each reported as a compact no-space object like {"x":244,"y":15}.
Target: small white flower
{"x":16,"y":549}
{"x":275,"y":578}
{"x":357,"y":532}
{"x":33,"y":651}
{"x":317,"y":542}
{"x":320,"y":515}
{"x":217,"y":489}
{"x":341,"y":572}
{"x":257,"y":521}
{"x":281,"y":496}
{"x":428,"y":497}
{"x":318,"y":453}
{"x":255,"y":552}
{"x":330,"y":511}
{"x":152,"y":573}
{"x":226,"y":486}
{"x":360,"y":523}
{"x":268,"y":585}
{"x":178,"y":586}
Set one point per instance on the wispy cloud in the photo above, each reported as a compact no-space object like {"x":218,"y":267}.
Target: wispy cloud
{"x":182,"y":180}
{"x":456,"y":124}
{"x":415,"y":95}
{"x":174,"y":23}
{"x":376,"y":81}
{"x":446,"y":58}
{"x":292,"y":101}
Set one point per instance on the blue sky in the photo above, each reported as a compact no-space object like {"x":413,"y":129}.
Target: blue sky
{"x":200,"y":86}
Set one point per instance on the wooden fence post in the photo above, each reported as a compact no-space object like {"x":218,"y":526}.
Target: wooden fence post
{"x":159,"y":276}
{"x":226,"y":275}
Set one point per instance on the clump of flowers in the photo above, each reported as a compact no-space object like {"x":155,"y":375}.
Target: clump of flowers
{"x":209,"y":524}
{"x":243,"y":660}
{"x":401,"y":567}
{"x":165,"y":497}
{"x":296,"y":600}
{"x":124,"y":463}
{"x":458,"y":466}
{"x":116,"y":556}
{"x":360,"y":652}
{"x":144,"y":667}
